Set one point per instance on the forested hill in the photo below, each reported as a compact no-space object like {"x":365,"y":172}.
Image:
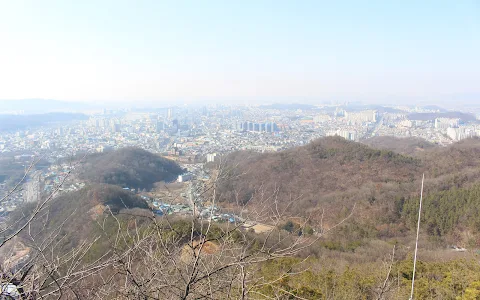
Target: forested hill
{"x":78,"y":213}
{"x":128,"y":167}
{"x":406,"y":145}
{"x":446,"y":212}
{"x":329,"y":170}
{"x":333,"y":174}
{"x":460,"y":157}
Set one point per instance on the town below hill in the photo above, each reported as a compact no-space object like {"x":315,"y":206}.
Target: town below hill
{"x":351,"y":202}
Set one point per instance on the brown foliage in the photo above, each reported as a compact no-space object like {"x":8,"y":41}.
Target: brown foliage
{"x":406,"y":146}
{"x":326,"y":170}
{"x":128,"y":167}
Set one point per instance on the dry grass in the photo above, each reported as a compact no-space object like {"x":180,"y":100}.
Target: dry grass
{"x":96,"y":211}
{"x":13,"y":253}
{"x":261,"y":228}
{"x":208,"y":248}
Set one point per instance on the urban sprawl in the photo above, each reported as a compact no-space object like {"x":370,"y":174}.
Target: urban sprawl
{"x":195,"y":136}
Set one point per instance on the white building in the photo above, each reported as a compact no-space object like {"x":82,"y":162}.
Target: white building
{"x":405,"y":123}
{"x":346,"y":134}
{"x":460,"y":133}
{"x":212,"y":157}
{"x":102,"y":149}
{"x":361,"y":116}
{"x":185,"y":177}
{"x":444,"y":123}
{"x":321,"y":118}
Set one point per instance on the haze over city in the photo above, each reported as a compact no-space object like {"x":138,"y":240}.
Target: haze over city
{"x":408,"y":52}
{"x":240,"y":150}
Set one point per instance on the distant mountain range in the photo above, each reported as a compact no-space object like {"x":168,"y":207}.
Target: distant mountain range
{"x":21,"y":122}
{"x":40,"y":106}
{"x":354,"y":106}
{"x":464,"y":117}
{"x":291,"y":106}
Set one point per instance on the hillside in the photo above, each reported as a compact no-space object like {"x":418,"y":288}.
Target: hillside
{"x":128,"y":167}
{"x":324,"y":179}
{"x":77,"y":213}
{"x":456,"y":158}
{"x":406,"y":146}
{"x":455,"y":210}
{"x":332,"y":174}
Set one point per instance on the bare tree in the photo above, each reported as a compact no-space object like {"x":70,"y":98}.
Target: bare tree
{"x":201,"y":259}
{"x":148,"y":257}
{"x":34,"y":270}
{"x":388,"y":282}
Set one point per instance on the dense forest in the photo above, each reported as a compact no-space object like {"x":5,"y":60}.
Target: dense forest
{"x":128,"y":167}
{"x":445,"y":212}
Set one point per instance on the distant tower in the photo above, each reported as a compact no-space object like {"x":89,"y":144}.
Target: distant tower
{"x":169,"y":114}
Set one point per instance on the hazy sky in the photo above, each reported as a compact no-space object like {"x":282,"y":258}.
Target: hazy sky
{"x":136,"y":50}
